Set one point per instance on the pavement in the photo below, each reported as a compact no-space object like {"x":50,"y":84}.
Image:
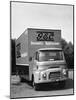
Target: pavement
{"x":24,"y":89}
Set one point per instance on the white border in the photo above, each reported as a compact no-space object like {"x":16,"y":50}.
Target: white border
{"x":5,"y":49}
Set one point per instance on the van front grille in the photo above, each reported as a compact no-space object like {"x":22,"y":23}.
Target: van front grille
{"x":54,"y":75}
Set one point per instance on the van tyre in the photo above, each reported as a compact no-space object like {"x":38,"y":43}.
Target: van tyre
{"x":22,"y":79}
{"x":35,"y":86}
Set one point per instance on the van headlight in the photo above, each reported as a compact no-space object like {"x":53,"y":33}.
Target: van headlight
{"x":64,"y":71}
{"x":44,"y":75}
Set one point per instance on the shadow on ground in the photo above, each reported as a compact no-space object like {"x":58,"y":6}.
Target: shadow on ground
{"x":52,"y":86}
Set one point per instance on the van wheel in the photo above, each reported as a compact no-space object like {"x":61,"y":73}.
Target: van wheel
{"x":22,"y":79}
{"x":35,"y":86}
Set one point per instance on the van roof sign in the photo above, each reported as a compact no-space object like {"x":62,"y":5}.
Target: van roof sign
{"x":45,"y":36}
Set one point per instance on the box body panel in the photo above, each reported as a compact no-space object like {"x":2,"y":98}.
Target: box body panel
{"x":22,"y":49}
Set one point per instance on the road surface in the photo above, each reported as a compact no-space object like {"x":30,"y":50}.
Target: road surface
{"x":24,"y":89}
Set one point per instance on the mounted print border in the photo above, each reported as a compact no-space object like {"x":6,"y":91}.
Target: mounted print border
{"x":41,"y":49}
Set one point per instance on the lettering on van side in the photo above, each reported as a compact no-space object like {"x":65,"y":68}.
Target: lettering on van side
{"x":45,"y":36}
{"x":18,"y":48}
{"x":25,"y":54}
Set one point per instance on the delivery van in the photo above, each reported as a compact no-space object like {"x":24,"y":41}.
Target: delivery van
{"x":40,"y":58}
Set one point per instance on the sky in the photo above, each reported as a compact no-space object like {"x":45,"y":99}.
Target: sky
{"x":32,"y":15}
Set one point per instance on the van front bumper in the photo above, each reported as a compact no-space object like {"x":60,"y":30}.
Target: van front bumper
{"x":51,"y":80}
{"x":49,"y":76}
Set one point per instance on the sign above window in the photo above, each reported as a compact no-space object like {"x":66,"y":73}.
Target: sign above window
{"x":45,"y":36}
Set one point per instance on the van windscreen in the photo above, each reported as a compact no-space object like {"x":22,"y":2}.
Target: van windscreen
{"x":50,"y":55}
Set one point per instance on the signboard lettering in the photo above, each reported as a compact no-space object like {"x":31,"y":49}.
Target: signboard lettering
{"x":45,"y":36}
